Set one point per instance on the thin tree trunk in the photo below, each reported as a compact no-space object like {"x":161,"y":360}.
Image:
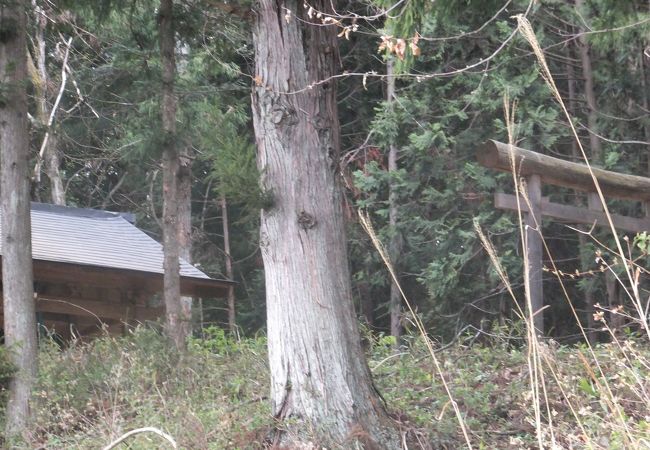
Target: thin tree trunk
{"x":585,"y":259}
{"x":616,"y":321}
{"x":594,"y":145}
{"x":171,"y":167}
{"x":52,"y":159}
{"x":40,"y":80}
{"x":319,"y":377}
{"x":17,"y":276}
{"x":367,"y":305}
{"x":645,"y":103}
{"x":185,"y":231}
{"x":226,"y":248}
{"x":590,"y":94}
{"x":395,"y":244}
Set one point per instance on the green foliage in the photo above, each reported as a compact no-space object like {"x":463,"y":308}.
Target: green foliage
{"x":91,"y":393}
{"x":7,"y":370}
{"x":213,"y":340}
{"x":215,"y":395}
{"x":112,"y":140}
{"x":438,"y":124}
{"x":6,"y":367}
{"x":642,"y":242}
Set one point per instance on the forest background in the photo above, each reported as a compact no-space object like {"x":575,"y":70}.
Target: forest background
{"x":421,"y":86}
{"x":103,"y":128}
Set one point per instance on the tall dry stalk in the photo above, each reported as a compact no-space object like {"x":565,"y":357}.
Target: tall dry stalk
{"x":527,"y":32}
{"x":536,"y":358}
{"x":367,"y":226}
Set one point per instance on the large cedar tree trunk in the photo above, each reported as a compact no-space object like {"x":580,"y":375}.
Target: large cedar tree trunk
{"x":17,"y":276}
{"x":171,"y":189}
{"x":319,"y":376}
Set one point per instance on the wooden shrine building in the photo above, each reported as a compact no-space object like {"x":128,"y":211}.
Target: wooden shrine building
{"x":95,"y":269}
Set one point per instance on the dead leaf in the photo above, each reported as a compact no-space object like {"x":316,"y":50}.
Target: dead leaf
{"x":332,"y":20}
{"x":400,"y":49}
{"x":386,"y":44}
{"x":414,"y":49}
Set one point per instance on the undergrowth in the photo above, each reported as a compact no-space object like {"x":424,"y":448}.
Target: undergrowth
{"x":215,"y":395}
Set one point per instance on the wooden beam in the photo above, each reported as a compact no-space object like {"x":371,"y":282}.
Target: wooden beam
{"x":95,"y":304}
{"x":103,"y":277}
{"x":72,"y":291}
{"x":98,"y":310}
{"x":573,"y":214}
{"x":496,"y":155}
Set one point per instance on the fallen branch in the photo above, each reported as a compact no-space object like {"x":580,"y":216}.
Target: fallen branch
{"x":142,"y":430}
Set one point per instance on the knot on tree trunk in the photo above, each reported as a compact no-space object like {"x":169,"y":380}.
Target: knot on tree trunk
{"x":283,"y":114}
{"x":306,"y":220}
{"x":8,"y":29}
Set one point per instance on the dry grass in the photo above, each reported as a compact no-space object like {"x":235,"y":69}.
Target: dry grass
{"x":215,"y":396}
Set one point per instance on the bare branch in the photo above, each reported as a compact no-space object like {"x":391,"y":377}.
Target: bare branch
{"x":125,"y":436}
{"x":64,"y":78}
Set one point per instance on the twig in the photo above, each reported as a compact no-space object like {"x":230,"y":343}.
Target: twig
{"x":125,"y":436}
{"x":80,"y":96}
{"x":109,"y":197}
{"x":150,"y":198}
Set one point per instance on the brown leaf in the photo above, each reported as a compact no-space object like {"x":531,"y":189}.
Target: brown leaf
{"x":386,"y":44}
{"x":400,"y":48}
{"x":415,"y":49}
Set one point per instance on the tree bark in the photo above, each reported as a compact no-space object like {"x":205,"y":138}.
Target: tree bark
{"x":229,"y":274}
{"x":319,"y":377}
{"x":171,"y":168}
{"x":395,"y":244}
{"x":17,"y":275}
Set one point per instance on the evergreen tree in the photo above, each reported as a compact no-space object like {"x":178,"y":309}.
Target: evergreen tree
{"x":17,"y":274}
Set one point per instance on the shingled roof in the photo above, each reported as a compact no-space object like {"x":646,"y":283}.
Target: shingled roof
{"x":103,"y":240}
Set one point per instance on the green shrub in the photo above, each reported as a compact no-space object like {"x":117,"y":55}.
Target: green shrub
{"x":7,"y":369}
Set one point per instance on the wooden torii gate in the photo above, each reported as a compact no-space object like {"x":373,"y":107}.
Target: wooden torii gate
{"x":537,"y":168}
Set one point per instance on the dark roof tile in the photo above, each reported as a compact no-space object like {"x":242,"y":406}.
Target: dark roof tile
{"x":96,"y":238}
